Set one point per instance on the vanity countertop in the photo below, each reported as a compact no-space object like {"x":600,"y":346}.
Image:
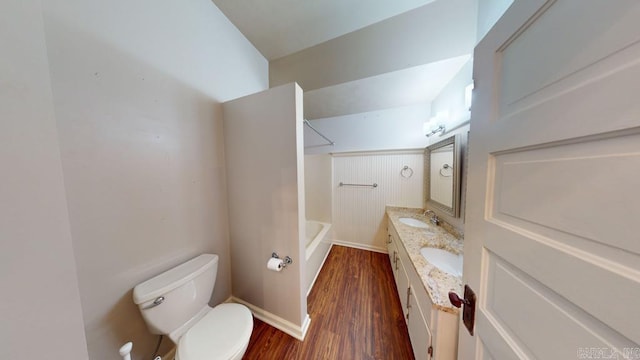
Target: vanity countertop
{"x":436,"y":282}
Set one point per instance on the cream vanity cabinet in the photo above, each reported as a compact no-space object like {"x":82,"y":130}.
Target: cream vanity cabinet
{"x":399,"y":271}
{"x":433,"y":332}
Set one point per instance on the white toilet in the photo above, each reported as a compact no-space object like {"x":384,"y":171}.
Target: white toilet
{"x":175,"y":303}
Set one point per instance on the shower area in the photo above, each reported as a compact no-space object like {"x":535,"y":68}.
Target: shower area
{"x":318,"y":232}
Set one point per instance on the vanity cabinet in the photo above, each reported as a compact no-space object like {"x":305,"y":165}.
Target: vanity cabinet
{"x":433,"y":332}
{"x":392,"y":250}
{"x":399,"y":271}
{"x":419,"y":332}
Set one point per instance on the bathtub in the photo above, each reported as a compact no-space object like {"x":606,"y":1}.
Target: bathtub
{"x":318,"y":243}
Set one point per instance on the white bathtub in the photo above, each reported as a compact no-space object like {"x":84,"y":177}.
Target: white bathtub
{"x":318,"y":243}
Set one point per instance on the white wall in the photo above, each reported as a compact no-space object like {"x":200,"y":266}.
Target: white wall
{"x":265,"y":177}
{"x":489,"y":11}
{"x":397,"y":128}
{"x":137,"y":89}
{"x":451,"y":99}
{"x":358,"y":212}
{"x":317,"y":187}
{"x":40,"y":305}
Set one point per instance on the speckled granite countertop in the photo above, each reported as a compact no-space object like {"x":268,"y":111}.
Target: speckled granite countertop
{"x":436,"y":282}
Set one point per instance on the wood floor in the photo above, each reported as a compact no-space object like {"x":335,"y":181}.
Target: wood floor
{"x":355,"y":314}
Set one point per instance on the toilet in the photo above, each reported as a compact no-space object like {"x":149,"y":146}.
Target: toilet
{"x":175,"y":303}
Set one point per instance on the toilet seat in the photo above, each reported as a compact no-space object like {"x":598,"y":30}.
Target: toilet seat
{"x":221,"y":334}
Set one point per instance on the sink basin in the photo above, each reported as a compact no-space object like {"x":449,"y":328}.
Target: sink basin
{"x":443,"y":260}
{"x":414,"y":222}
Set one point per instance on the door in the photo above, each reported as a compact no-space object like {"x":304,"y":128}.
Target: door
{"x":418,"y":328}
{"x":552,"y":244}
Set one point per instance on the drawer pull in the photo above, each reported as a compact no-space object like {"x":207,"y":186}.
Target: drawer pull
{"x":395,"y":258}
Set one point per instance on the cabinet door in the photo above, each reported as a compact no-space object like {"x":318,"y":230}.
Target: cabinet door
{"x":402,"y":283}
{"x":391,"y":249}
{"x":418,"y":330}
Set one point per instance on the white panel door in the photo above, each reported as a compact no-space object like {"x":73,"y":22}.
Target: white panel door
{"x":552,"y":245}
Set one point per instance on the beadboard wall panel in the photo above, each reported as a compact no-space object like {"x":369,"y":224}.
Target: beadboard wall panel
{"x":358,"y":212}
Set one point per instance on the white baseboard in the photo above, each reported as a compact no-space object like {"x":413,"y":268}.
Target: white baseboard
{"x":320,"y":268}
{"x":305,"y":327}
{"x":360,"y":246}
{"x":298,"y":332}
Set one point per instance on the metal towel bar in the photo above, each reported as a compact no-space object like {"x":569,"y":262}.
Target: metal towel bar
{"x":306,"y":122}
{"x":374,"y":185}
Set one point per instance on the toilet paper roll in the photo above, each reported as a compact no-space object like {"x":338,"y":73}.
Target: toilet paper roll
{"x":275,"y":264}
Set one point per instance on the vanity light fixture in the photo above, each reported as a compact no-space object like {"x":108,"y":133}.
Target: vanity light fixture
{"x":439,"y":130}
{"x":435,"y":125}
{"x":468,"y":96}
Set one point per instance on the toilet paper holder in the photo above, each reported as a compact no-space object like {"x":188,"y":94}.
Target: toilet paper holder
{"x":287,"y":260}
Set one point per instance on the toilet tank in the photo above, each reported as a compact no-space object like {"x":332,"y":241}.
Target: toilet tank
{"x":172,"y":298}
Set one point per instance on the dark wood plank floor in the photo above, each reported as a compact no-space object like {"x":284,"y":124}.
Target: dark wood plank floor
{"x":355,"y":314}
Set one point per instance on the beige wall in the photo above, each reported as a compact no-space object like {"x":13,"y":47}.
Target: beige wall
{"x":265,"y":177}
{"x":400,"y":42}
{"x":40,"y":304}
{"x":317,"y":187}
{"x":388,"y":129}
{"x":137,"y":89}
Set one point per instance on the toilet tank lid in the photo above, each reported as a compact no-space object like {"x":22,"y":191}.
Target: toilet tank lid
{"x":172,"y":278}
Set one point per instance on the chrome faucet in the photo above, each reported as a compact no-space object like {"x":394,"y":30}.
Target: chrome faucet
{"x":432,"y":217}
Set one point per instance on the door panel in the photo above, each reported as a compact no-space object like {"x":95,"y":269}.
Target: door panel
{"x":486,"y":355}
{"x":551,"y":244}
{"x":526,"y":66}
{"x":566,"y":326}
{"x":494,"y":338}
{"x":530,"y":185}
{"x":604,"y":288}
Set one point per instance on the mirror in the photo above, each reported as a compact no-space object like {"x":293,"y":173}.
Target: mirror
{"x":442,"y":176}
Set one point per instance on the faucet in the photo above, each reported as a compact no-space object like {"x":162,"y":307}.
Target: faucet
{"x":432,"y":217}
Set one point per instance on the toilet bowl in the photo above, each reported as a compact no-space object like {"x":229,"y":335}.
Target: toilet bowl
{"x":221,"y":334}
{"x":175,"y":303}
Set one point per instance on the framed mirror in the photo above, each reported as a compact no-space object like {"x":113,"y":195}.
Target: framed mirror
{"x":442,"y":175}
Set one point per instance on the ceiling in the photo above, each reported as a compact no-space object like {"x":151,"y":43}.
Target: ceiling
{"x":356,"y":56}
{"x":281,"y":27}
{"x":415,"y":85}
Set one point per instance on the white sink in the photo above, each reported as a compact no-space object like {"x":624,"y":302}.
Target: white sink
{"x":414,"y":222}
{"x":443,"y":260}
